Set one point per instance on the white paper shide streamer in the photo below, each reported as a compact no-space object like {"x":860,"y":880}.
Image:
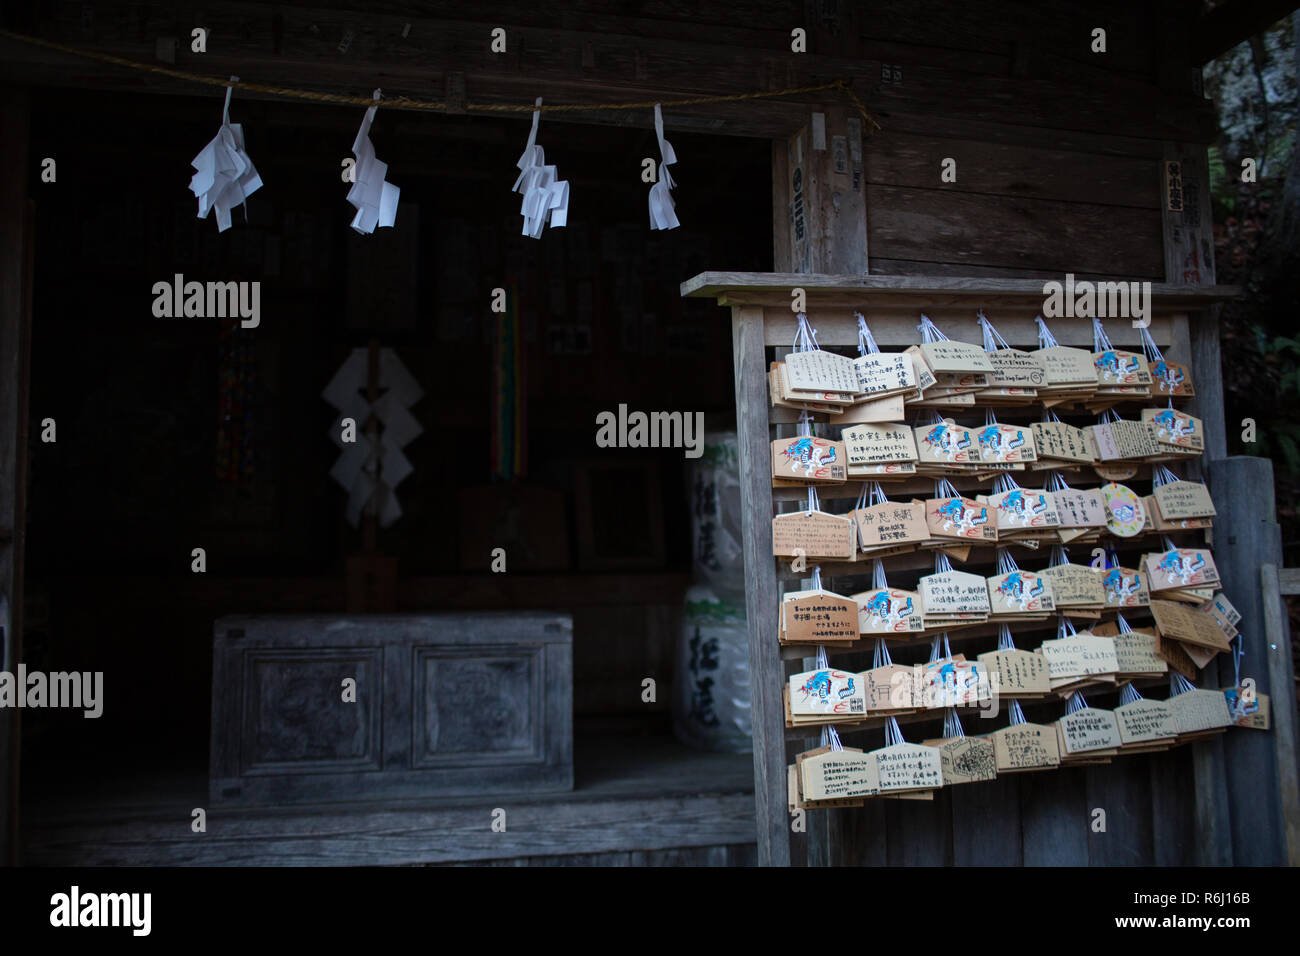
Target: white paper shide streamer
{"x":371,"y":468}
{"x":224,"y":175}
{"x":545,"y":195}
{"x":661,"y":203}
{"x":374,"y":197}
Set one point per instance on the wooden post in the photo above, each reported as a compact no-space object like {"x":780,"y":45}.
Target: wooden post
{"x":766,"y":670}
{"x":1247,"y":537}
{"x":14,"y":306}
{"x":1281,"y":677}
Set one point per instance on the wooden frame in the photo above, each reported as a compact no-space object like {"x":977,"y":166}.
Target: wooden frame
{"x":1185,"y":326}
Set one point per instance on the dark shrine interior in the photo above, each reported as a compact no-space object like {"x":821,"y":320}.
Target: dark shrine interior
{"x":190,"y":433}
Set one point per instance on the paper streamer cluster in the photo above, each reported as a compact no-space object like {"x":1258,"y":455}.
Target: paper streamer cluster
{"x":545,"y":196}
{"x":225,"y":177}
{"x":661,"y":203}
{"x":372,"y":467}
{"x":375,"y":198}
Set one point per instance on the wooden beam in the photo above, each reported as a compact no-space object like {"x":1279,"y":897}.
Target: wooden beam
{"x":1281,"y":678}
{"x":766,"y":672}
{"x":1289,"y":581}
{"x":14,"y":307}
{"x":1247,"y":536}
{"x":1229,"y":23}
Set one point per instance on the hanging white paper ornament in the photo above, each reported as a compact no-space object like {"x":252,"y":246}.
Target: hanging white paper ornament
{"x":661,"y":203}
{"x":374,"y":197}
{"x":545,"y":196}
{"x":224,"y":176}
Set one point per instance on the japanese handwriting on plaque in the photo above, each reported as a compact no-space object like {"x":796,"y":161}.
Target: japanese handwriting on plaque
{"x":883,"y":373}
{"x":1067,"y":366}
{"x":840,"y":774}
{"x":1013,"y":368}
{"x":820,"y":371}
{"x":1060,"y":441}
{"x":1075,"y":585}
{"x":1079,"y":655}
{"x":888,"y":611}
{"x":815,"y":535}
{"x":1088,"y":729}
{"x":965,"y":759}
{"x":1025,"y":747}
{"x":1181,"y":568}
{"x":1173,"y":427}
{"x":1125,"y":440}
{"x":879,"y":447}
{"x":828,"y":691}
{"x":1145,"y":720}
{"x":1016,"y":672}
{"x":1181,"y":623}
{"x":956,"y":358}
{"x":908,"y":767}
{"x":1183,"y":499}
{"x":1020,"y":592}
{"x":1080,"y":508}
{"x":1198,"y":710}
{"x":892,"y":523}
{"x":1137,"y":652}
{"x":954,"y":592}
{"x":818,"y":617}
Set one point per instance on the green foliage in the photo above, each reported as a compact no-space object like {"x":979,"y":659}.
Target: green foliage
{"x":1279,"y":438}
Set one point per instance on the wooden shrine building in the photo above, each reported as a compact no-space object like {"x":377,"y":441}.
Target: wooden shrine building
{"x":899,"y":158}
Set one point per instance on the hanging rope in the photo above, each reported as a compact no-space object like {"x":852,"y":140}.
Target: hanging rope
{"x":432,"y":106}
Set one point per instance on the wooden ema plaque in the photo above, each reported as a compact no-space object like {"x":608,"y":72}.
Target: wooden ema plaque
{"x":1063,"y":366}
{"x":1079,"y":655}
{"x":839,"y":775}
{"x":959,"y":518}
{"x":946,"y":443}
{"x":882,"y":449}
{"x":1080,"y":508}
{"x":908,"y":767}
{"x":827,"y":692}
{"x":1019,"y":592}
{"x":890,"y":688}
{"x":1061,"y":442}
{"x":885,"y":373}
{"x":814,"y":535}
{"x":1181,"y":623}
{"x":809,"y":459}
{"x":1025,"y":747}
{"x":1125,"y":587}
{"x":957,"y":358}
{"x":954,"y":682}
{"x":1175,"y":428}
{"x":1013,"y":368}
{"x":821,"y":371}
{"x":965,"y":759}
{"x":1023,"y":508}
{"x":1170,"y":378}
{"x":954,"y":592}
{"x":1075,"y":585}
{"x":1178,"y":500}
{"x":1196,"y":711}
{"x":1181,"y":568}
{"x":1006,"y":444}
{"x":818,"y":617}
{"x":888,"y":611}
{"x":1143,"y":721}
{"x":1117,"y":367}
{"x":1088,"y":729}
{"x":1017,"y":673}
{"x":891,"y":523}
